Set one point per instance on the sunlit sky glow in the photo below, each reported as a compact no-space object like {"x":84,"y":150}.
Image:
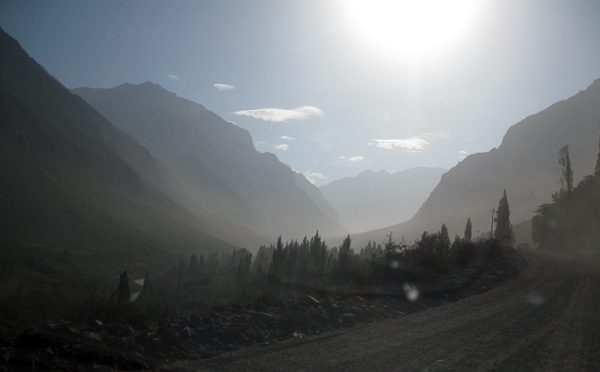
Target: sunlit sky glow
{"x":332,"y":87}
{"x":412,"y":27}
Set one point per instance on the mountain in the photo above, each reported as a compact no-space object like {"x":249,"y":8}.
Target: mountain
{"x":525,"y":164}
{"x":71,"y":179}
{"x":375,"y":199}
{"x":316,"y":196}
{"x":216,"y":162}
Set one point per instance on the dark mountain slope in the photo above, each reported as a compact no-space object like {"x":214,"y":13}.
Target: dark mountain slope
{"x":69,"y":177}
{"x":216,"y":161}
{"x":525,"y":164}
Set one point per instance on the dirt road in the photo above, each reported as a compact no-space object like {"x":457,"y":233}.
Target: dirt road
{"x":546,"y":319}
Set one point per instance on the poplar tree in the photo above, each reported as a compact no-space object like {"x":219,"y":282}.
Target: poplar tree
{"x":468,"y":230}
{"x":597,"y":169}
{"x":123,"y":289}
{"x":503,"y":230}
{"x":444,"y":236}
{"x":566,"y":169}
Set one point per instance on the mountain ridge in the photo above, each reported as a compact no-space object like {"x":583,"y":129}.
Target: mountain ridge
{"x":525,"y":164}
{"x":70,"y":177}
{"x":216,"y":162}
{"x":373,"y":199}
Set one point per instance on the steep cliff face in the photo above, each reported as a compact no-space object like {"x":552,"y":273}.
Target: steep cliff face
{"x":69,"y":177}
{"x":216,"y":162}
{"x":525,"y":164}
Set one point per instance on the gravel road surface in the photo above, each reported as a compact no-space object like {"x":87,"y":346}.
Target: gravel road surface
{"x":545,"y":319}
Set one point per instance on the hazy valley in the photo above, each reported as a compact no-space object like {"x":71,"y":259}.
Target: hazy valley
{"x":237,"y":214}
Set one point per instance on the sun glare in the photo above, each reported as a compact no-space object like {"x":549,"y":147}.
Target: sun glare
{"x":411,"y":26}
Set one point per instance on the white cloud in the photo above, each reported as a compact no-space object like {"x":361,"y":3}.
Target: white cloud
{"x":223,"y":87}
{"x":314,"y":177}
{"x":463,"y":154}
{"x":412,"y":144}
{"x":277,"y":115}
{"x":353,"y":158}
{"x":173,"y":77}
{"x":287,"y":138}
{"x":281,"y":147}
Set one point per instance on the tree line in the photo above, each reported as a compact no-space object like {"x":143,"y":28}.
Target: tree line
{"x":571,"y":221}
{"x":290,"y":267}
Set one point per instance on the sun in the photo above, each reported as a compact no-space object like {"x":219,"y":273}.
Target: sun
{"x":411,"y":26}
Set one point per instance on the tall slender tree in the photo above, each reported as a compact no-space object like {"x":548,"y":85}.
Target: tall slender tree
{"x":503,"y":232}
{"x":468,"y":230}
{"x":123,"y":289}
{"x":278,"y":261}
{"x":597,"y":169}
{"x":193,"y":264}
{"x":345,"y":248}
{"x":566,"y":169}
{"x":344,"y":256}
{"x":444,"y":236}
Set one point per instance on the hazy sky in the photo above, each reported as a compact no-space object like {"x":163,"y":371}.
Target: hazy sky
{"x":312,"y":84}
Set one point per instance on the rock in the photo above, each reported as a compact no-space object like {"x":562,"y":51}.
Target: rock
{"x":125,"y":329}
{"x":93,"y":336}
{"x":313,"y":300}
{"x":196,"y":320}
{"x":6,"y":353}
{"x":118,"y":342}
{"x":348,"y":319}
{"x":170,"y":337}
{"x":187,"y":332}
{"x":32,"y":339}
{"x":267,"y":316}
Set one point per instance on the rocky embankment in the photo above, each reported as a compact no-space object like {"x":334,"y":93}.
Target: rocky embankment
{"x":121,"y":345}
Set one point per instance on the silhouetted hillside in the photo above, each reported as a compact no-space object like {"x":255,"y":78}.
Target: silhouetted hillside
{"x":524,"y":164}
{"x":70,"y":178}
{"x":216,"y":162}
{"x":570,"y":223}
{"x":371,"y":200}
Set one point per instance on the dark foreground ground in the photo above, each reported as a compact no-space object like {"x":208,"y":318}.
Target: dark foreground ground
{"x":545,"y":319}
{"x":176,"y":342}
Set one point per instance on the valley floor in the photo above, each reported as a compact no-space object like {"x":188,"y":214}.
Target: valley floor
{"x":545,"y":319}
{"x":182,"y":341}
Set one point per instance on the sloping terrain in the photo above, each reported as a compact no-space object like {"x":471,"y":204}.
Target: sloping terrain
{"x":73,"y":182}
{"x":216,"y":162}
{"x":543,"y":320}
{"x":70,"y":176}
{"x":525,"y":164}
{"x":375,"y":199}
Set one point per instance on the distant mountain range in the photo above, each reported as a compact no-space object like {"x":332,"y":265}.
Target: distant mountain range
{"x":374,"y":199}
{"x":70,"y":178}
{"x":525,"y":164}
{"x":137,"y":168}
{"x":215,"y":162}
